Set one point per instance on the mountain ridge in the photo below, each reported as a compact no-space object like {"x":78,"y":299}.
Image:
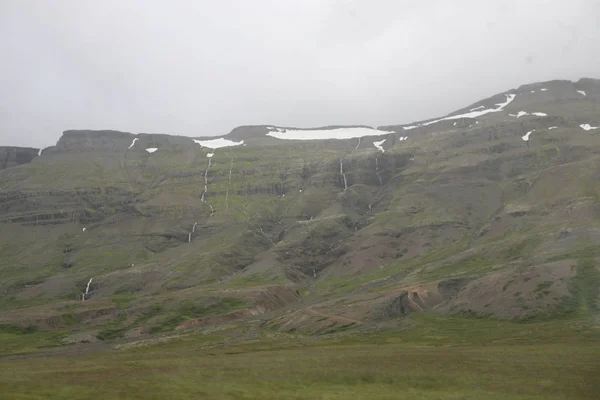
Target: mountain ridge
{"x":493,"y":211}
{"x":567,"y":89}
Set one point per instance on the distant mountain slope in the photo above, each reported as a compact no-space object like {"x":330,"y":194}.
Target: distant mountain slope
{"x":493,"y":209}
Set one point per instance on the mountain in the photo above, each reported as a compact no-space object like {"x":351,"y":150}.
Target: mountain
{"x":492,"y":210}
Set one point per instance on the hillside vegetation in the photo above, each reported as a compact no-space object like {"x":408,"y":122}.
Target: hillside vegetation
{"x":440,"y":230}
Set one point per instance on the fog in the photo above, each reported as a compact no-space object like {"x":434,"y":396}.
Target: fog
{"x":201,"y":68}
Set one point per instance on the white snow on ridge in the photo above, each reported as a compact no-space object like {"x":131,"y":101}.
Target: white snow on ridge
{"x":519,"y":114}
{"x":581,"y":92}
{"x":132,"y":143}
{"x":407,"y":128}
{"x":40,"y":152}
{"x":477,"y":108}
{"x":524,"y":113}
{"x":151,"y":150}
{"x":587,"y":127}
{"x":320,"y":134}
{"x":526,"y":137}
{"x":475,"y":114}
{"x":217,"y":143}
{"x":379,"y":144}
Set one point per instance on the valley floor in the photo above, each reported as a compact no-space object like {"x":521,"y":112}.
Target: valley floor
{"x":426,"y":357}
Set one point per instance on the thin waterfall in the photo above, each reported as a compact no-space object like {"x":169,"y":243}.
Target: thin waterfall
{"x":343,"y":175}
{"x":357,"y":144}
{"x":203,"y":199}
{"x":377,"y":171}
{"x":87,"y":290}
{"x":193,"y":230}
{"x":228,"y":184}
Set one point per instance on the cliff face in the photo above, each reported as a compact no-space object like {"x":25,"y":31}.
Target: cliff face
{"x":13,"y":156}
{"x":109,"y":140}
{"x":79,"y":140}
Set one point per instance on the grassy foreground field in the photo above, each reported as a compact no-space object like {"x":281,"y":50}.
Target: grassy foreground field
{"x":433,"y":358}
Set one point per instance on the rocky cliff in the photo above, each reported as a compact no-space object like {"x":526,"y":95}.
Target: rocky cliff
{"x":13,"y":156}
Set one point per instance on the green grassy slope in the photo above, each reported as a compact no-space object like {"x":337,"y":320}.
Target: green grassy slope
{"x":470,"y":202}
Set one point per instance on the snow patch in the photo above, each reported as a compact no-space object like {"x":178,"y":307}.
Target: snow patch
{"x":543,"y":90}
{"x":587,"y":127}
{"x":552,"y":127}
{"x":408,"y":128}
{"x":519,"y":114}
{"x":581,"y":92}
{"x":40,"y":152}
{"x":524,"y":113}
{"x":84,"y":229}
{"x":533,"y":91}
{"x":403,"y":138}
{"x":379,"y":144}
{"x":210,"y":155}
{"x":477,"y":108}
{"x":475,"y":114}
{"x":151,"y":150}
{"x":133,"y":143}
{"x":217,"y":143}
{"x":320,"y":134}
{"x":526,"y":137}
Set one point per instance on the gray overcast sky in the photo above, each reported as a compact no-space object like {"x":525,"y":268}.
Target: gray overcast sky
{"x":200,"y":68}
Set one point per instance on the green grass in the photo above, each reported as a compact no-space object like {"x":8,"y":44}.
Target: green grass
{"x":585,"y":286}
{"x":114,"y":329}
{"x":13,"y":303}
{"x":258,"y":279}
{"x":437,"y":358}
{"x":582,"y":252}
{"x":465,"y":267}
{"x":337,"y":286}
{"x":111,"y":333}
{"x":151,"y":312}
{"x":22,"y":340}
{"x":192,"y":311}
{"x":498,"y":256}
{"x":543,"y":286}
{"x":17,"y":330}
{"x":123,"y":300}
